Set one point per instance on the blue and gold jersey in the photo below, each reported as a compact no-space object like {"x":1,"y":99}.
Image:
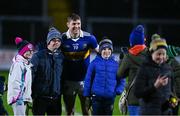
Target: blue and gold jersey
{"x":77,"y":55}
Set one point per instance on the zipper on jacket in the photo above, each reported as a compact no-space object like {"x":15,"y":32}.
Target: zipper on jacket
{"x":105,"y":74}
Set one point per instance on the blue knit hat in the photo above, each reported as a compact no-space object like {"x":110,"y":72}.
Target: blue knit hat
{"x":53,"y":33}
{"x":137,"y":36}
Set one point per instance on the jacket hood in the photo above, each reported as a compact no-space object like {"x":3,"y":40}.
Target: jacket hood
{"x":19,"y":58}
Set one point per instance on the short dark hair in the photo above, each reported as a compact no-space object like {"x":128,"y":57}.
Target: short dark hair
{"x":73,"y":17}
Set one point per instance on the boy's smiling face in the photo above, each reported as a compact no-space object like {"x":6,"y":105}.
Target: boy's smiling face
{"x":106,"y":53}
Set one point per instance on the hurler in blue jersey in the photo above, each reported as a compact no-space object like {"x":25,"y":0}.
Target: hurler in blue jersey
{"x":76,"y":46}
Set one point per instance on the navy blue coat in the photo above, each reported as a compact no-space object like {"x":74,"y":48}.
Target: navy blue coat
{"x":46,"y":72}
{"x":101,"y":78}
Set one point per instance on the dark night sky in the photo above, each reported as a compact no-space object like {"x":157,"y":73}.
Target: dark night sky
{"x":147,"y":9}
{"x":118,"y":32}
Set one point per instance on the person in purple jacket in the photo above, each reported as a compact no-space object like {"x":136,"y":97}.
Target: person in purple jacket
{"x":101,"y":81}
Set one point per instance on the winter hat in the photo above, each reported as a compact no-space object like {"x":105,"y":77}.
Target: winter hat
{"x":105,"y":43}
{"x":137,"y":36}
{"x":53,"y":33}
{"x":157,"y":43}
{"x":155,"y":36}
{"x":172,"y":51}
{"x":23,"y":45}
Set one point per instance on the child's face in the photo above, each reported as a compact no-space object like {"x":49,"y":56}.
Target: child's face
{"x":54,"y":44}
{"x":159,"y":56}
{"x":106,"y":53}
{"x":28,"y":54}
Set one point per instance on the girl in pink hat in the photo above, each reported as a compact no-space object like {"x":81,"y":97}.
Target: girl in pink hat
{"x":19,"y":80}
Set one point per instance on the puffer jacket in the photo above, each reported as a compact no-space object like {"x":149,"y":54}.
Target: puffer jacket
{"x":101,"y":78}
{"x":19,"y":81}
{"x":128,"y":68}
{"x":46,"y":71}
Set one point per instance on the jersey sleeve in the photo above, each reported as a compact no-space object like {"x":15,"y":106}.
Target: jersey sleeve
{"x":93,"y":42}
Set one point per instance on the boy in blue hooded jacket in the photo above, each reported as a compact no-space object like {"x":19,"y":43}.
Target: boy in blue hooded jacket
{"x":101,"y":81}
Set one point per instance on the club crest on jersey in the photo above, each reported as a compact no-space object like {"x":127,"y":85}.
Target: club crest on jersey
{"x":84,"y":45}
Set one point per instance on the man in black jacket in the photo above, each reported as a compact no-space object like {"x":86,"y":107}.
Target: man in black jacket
{"x":47,"y":68}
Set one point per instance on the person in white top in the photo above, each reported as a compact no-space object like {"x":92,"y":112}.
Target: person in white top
{"x":20,"y":79}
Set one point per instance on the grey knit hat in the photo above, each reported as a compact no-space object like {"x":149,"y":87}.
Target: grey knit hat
{"x":53,"y":33}
{"x":105,"y":43}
